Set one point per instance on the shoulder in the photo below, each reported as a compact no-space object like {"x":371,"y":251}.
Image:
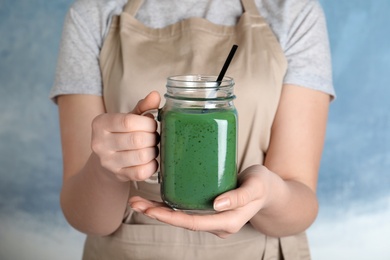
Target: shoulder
{"x":300,"y":27}
{"x":287,"y":16}
{"x":289,"y":10}
{"x":95,"y":15}
{"x":95,"y":7}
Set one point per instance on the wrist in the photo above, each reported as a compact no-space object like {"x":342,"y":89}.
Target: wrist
{"x":101,"y":174}
{"x":274,"y":190}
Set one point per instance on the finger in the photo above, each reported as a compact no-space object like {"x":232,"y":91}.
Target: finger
{"x":132,"y":141}
{"x":123,"y":123}
{"x":139,"y":172}
{"x":137,"y":199}
{"x":184,"y":220}
{"x":135,"y":157}
{"x":140,"y":204}
{"x":151,"y":101}
{"x":133,"y":123}
{"x":215,"y":224}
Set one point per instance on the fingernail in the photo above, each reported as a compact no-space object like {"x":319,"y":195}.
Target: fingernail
{"x":222,"y":204}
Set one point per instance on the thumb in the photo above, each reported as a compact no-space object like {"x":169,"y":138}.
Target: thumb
{"x":151,"y":101}
{"x":233,"y":199}
{"x":250,"y":189}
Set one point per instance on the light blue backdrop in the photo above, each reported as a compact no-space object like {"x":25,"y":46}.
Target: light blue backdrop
{"x":354,"y":180}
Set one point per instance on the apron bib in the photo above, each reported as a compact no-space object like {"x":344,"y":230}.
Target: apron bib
{"x":136,"y":59}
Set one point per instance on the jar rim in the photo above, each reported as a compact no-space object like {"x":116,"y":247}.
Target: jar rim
{"x":199,"y":81}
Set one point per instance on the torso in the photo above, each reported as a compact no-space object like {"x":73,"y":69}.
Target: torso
{"x":135,"y":60}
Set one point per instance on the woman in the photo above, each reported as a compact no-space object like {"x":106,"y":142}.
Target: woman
{"x":113,"y":63}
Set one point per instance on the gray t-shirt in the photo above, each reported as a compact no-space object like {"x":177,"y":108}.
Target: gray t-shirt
{"x":299,"y":25}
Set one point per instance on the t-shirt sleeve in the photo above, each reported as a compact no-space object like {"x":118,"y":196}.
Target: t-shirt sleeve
{"x":306,"y":46}
{"x":77,"y":69}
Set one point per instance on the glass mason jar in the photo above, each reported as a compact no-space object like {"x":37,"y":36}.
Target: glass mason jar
{"x":198,"y":149}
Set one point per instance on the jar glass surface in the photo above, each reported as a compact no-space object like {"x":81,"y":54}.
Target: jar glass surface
{"x":198,"y":142}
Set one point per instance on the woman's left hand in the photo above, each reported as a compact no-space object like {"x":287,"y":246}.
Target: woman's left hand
{"x":234,"y":208}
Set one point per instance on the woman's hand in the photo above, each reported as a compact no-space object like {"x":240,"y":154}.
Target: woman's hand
{"x":126,"y":144}
{"x":234,"y":208}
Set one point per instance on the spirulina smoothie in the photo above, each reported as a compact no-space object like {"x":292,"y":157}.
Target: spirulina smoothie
{"x":198,"y":156}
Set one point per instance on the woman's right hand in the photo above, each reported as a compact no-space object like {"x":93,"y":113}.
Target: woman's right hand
{"x":126,"y":144}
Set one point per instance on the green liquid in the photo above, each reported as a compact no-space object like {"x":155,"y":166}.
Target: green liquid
{"x":198,"y":156}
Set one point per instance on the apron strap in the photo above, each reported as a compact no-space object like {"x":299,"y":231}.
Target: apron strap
{"x":132,"y":6}
{"x":250,"y":7}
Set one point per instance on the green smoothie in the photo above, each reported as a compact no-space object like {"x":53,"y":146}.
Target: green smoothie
{"x":198,"y":156}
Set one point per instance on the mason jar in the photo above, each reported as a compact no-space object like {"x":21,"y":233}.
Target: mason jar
{"x":198,"y":149}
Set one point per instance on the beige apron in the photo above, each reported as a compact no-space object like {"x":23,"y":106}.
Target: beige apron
{"x":135,"y":60}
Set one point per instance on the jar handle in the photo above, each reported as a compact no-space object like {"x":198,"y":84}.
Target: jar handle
{"x":155,"y":178}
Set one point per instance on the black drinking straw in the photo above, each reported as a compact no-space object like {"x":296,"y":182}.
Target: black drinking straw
{"x":224,"y":68}
{"x":227,"y":63}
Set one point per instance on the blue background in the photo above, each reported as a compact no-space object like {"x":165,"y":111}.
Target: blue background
{"x":354,"y":179}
